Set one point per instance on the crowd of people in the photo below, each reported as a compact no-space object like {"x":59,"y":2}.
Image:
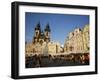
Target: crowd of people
{"x":56,"y":60}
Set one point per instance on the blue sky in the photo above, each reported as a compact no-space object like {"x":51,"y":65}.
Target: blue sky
{"x":60,"y":24}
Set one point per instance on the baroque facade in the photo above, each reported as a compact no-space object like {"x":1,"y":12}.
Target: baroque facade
{"x":41,"y":43}
{"x":78,"y":41}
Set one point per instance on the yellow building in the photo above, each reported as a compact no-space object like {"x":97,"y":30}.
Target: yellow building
{"x":77,"y":41}
{"x":86,"y":38}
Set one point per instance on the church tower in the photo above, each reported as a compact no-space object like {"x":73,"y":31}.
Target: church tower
{"x":37,"y":30}
{"x":47,"y":33}
{"x":37,"y":33}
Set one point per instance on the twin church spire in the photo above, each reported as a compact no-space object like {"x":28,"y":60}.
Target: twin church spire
{"x":40,"y":35}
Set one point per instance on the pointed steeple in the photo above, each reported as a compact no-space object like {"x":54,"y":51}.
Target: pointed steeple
{"x":47,"y":28}
{"x":38,"y":26}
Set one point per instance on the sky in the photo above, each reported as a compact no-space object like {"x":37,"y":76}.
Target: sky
{"x":60,"y":24}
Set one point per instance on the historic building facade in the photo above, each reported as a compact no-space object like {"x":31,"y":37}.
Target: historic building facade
{"x":86,"y":38}
{"x":41,"y":43}
{"x":78,"y":41}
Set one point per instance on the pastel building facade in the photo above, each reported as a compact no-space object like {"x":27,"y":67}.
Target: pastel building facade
{"x":78,"y":41}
